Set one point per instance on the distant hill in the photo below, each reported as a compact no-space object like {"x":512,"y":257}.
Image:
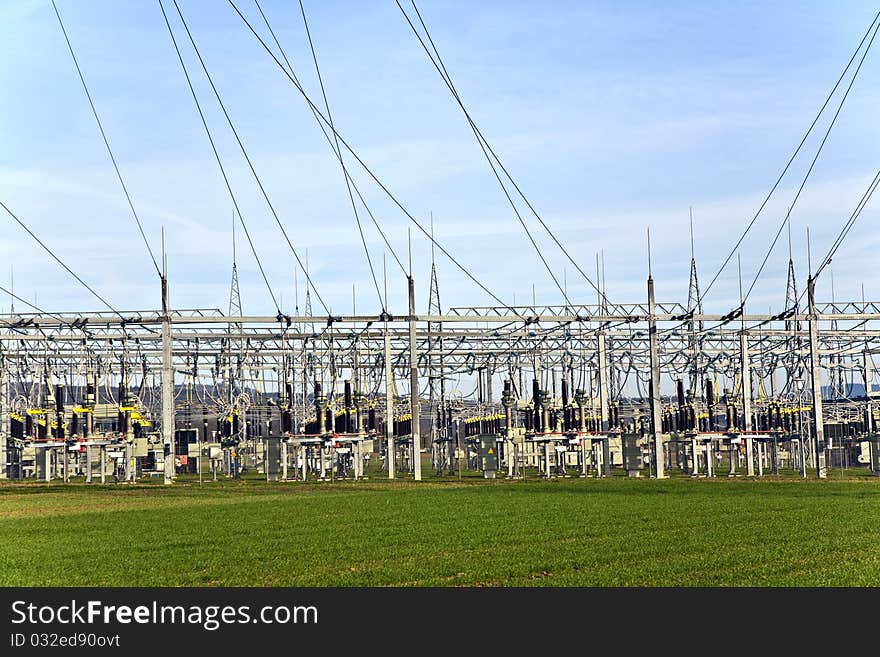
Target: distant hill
{"x":852,"y":391}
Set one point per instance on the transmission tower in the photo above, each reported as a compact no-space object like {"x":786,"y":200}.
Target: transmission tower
{"x":234,"y":294}
{"x":838,"y":380}
{"x":791,"y":298}
{"x":234,"y":311}
{"x":307,"y":311}
{"x":795,"y":366}
{"x":695,"y":307}
{"x":437,"y":393}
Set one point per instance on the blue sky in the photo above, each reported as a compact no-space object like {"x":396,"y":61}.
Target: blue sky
{"x":612,"y":117}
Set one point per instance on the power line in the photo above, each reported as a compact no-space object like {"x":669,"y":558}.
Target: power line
{"x":35,"y":307}
{"x":59,"y":261}
{"x":484,"y":143}
{"x":338,"y":153}
{"x":869,"y":192}
{"x":812,"y":164}
{"x":738,"y":311}
{"x":791,"y":159}
{"x":330,"y":142}
{"x":246,"y":156}
{"x":217,"y":157}
{"x":107,"y":142}
{"x":365,"y":167}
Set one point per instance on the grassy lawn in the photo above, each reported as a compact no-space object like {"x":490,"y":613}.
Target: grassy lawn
{"x":571,"y":532}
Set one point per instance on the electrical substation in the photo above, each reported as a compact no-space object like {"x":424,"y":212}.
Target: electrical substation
{"x":100,"y":398}
{"x":641,"y":389}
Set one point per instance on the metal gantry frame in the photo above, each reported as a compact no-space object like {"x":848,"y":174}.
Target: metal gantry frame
{"x":609,"y":348}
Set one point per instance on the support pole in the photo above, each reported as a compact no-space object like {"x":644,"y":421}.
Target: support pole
{"x":5,"y":469}
{"x":816,"y":376}
{"x":867,"y":366}
{"x":167,"y":387}
{"x":414,"y":382}
{"x":507,"y":400}
{"x":603,"y":382}
{"x":389,"y":407}
{"x":88,"y":464}
{"x":656,"y":416}
{"x":746,"y":378}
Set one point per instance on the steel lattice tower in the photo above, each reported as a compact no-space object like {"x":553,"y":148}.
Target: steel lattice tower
{"x":234,"y":311}
{"x":791,"y":298}
{"x":437,"y":393}
{"x":434,"y":340}
{"x":695,"y":307}
{"x":234,"y":294}
{"x":795,"y":369}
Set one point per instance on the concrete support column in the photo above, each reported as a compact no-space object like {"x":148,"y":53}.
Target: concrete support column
{"x":508,"y":401}
{"x":746,"y":378}
{"x":389,"y":407}
{"x":5,"y":470}
{"x":167,"y":389}
{"x":816,"y":377}
{"x":867,"y":367}
{"x":656,"y":411}
{"x":414,"y":382}
{"x":603,"y":382}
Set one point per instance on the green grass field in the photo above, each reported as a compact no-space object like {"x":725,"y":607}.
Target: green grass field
{"x":571,"y":532}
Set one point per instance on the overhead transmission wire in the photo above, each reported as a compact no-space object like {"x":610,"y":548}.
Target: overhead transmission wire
{"x":35,"y":307}
{"x":844,"y":231}
{"x":330,"y":141}
{"x":790,"y":161}
{"x":247,"y":159}
{"x":369,"y":171}
{"x":217,"y":157}
{"x":60,"y":261}
{"x":863,"y":201}
{"x":856,"y":213}
{"x":812,"y":164}
{"x":339,"y":154}
{"x":486,"y":147}
{"x":872,"y":187}
{"x":491,"y":165}
{"x":738,"y":311}
{"x":107,"y":143}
